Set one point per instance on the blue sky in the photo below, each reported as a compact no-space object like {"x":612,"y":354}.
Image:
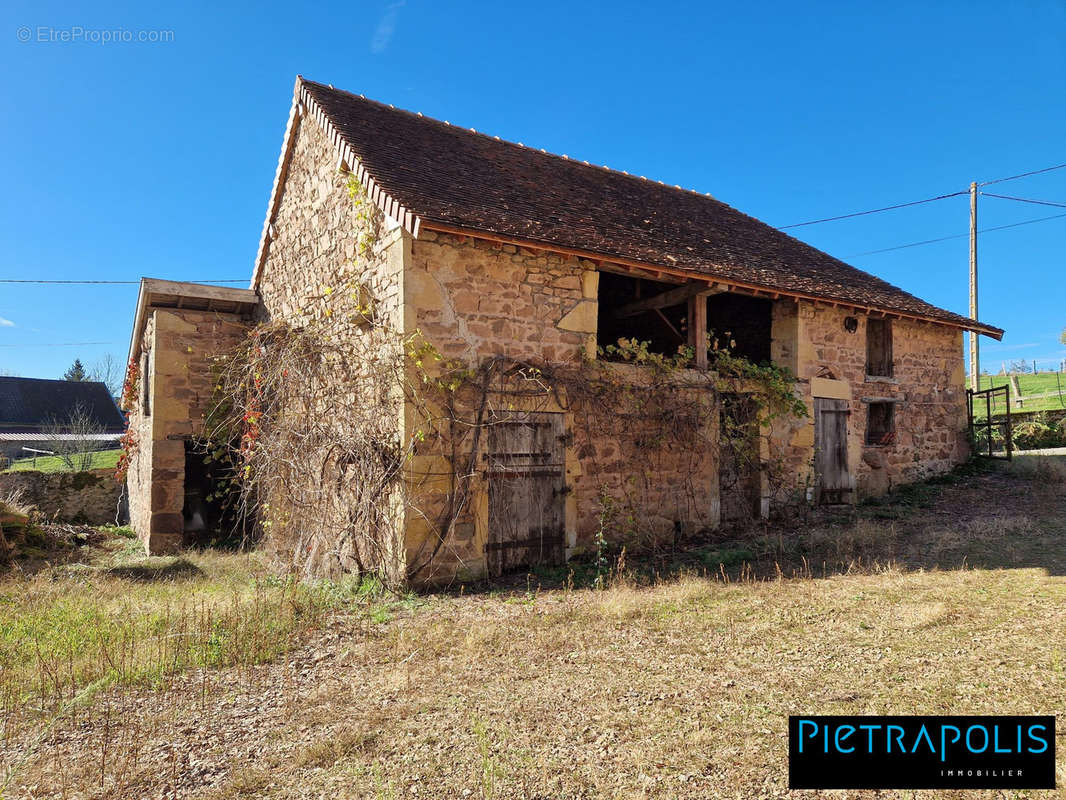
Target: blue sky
{"x":128,"y":159}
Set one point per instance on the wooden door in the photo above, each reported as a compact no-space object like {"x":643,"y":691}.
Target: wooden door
{"x":831,"y":450}
{"x":525,"y":455}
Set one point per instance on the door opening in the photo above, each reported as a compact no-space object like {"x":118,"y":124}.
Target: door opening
{"x":831,"y":450}
{"x":527,"y":491}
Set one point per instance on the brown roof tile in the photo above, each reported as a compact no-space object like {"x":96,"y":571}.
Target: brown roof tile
{"x":455,"y":177}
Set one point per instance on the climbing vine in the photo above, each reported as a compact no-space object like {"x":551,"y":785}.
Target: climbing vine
{"x":128,"y":440}
{"x":341,"y":429}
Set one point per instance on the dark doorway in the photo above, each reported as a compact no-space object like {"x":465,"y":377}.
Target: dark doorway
{"x":739,"y":467}
{"x":204,"y":512}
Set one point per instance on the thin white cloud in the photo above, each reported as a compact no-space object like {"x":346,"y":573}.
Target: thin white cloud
{"x":6,"y":323}
{"x":386,"y":28}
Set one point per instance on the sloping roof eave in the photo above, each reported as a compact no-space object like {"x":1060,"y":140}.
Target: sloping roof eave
{"x":667,"y":269}
{"x":305,"y":103}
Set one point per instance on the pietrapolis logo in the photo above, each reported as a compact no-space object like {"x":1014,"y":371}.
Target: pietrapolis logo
{"x":921,"y":752}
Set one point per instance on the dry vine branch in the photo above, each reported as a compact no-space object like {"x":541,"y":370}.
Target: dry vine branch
{"x":341,"y":428}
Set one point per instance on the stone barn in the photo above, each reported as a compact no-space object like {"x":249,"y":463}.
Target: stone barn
{"x":469,"y":356}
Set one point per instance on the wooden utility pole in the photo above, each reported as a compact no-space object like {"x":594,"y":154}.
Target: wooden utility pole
{"x":975,"y":360}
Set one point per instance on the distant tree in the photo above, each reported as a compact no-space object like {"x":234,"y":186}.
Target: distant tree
{"x":1020,"y":367}
{"x":107,"y":371}
{"x":73,"y":439}
{"x":76,"y":372}
{"x":1062,"y":337}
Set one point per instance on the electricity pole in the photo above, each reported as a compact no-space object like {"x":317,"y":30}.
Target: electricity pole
{"x":975,"y":362}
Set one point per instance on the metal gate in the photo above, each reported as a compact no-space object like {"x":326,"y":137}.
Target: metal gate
{"x":990,"y":424}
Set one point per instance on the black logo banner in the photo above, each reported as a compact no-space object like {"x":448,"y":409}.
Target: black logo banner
{"x":840,"y":752}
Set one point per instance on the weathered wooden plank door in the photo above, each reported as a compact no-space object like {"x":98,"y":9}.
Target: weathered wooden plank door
{"x":831,"y":450}
{"x":527,"y":482}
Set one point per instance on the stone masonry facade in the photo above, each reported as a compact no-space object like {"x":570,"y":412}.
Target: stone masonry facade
{"x":179,"y":354}
{"x":333,"y":260}
{"x":475,"y":300}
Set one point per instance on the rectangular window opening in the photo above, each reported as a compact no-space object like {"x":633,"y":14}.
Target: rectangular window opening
{"x":741,"y":324}
{"x":879,"y":347}
{"x":146,"y":384}
{"x":880,"y":423}
{"x":641,"y":310}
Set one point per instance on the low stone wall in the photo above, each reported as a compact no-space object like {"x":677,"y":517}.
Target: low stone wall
{"x":88,"y":498}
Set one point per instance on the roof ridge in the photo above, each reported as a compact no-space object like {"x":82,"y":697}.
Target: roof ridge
{"x":642,"y":179}
{"x":499,"y":139}
{"x":742,"y":248}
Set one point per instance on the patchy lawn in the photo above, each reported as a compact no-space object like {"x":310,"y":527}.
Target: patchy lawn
{"x":950,"y":600}
{"x":99,"y":459}
{"x":1043,"y":391}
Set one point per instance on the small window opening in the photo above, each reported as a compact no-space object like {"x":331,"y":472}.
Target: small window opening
{"x":881,"y":423}
{"x":146,"y":384}
{"x":879,"y":347}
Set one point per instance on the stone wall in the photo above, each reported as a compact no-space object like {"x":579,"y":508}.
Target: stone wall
{"x":476,"y":300}
{"x":86,"y":498}
{"x":473,"y":299}
{"x":139,"y":427}
{"x":928,"y":385}
{"x":333,"y":266}
{"x":182,"y":348}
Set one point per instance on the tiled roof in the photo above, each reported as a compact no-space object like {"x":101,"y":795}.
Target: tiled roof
{"x":456,"y":178}
{"x":29,"y":405}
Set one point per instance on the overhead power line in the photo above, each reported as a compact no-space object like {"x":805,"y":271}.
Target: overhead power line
{"x":873,"y":210}
{"x":934,"y":199}
{"x":105,"y":283}
{"x":57,"y":344}
{"x":1025,"y":200}
{"x":956,"y":236}
{"x":1023,"y":175}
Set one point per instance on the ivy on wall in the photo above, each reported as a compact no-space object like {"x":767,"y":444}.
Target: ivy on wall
{"x":338,"y":427}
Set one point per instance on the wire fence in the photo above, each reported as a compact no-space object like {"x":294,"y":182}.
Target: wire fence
{"x":1028,"y":391}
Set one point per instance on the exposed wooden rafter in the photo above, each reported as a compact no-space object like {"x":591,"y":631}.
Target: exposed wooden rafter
{"x":672,"y":297}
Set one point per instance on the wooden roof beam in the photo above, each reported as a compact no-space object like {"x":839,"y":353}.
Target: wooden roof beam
{"x":672,"y":297}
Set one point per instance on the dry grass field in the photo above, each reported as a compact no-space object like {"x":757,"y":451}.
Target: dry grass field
{"x":675,"y":681}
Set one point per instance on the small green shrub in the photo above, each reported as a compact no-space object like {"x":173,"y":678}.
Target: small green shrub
{"x":1038,"y":433}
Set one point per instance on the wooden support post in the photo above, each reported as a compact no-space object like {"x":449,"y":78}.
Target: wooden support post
{"x":697,"y":328}
{"x":975,"y":360}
